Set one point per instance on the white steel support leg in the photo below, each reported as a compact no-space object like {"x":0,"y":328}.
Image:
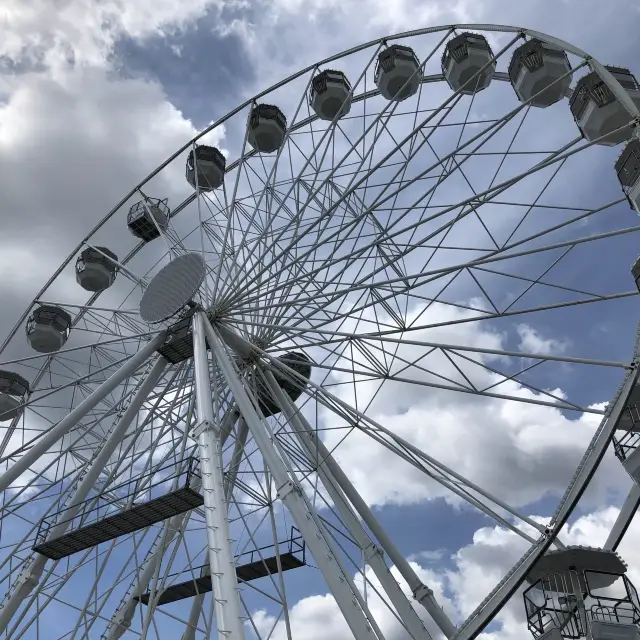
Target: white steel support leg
{"x":422,"y":593}
{"x":295,"y":500}
{"x":28,"y":459}
{"x":373,"y":554}
{"x":30,"y":576}
{"x":624,"y":518}
{"x":223,"y":572}
{"x":121,"y":620}
{"x":230,"y":482}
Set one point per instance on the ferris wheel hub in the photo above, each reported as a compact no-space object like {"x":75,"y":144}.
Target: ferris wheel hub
{"x":172,"y":288}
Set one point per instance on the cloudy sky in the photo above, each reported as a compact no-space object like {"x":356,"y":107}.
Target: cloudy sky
{"x":95,"y":93}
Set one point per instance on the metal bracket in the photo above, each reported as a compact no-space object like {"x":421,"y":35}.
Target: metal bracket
{"x":372,"y":550}
{"x":200,"y":427}
{"x":285,"y":489}
{"x":422,"y":592}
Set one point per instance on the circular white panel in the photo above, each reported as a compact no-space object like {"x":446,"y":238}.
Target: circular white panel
{"x":172,"y":288}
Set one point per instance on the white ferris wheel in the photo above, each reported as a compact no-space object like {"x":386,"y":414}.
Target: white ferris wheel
{"x":177,"y":399}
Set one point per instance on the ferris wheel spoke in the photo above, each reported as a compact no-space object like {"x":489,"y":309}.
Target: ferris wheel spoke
{"x":30,"y":404}
{"x":435,"y":274}
{"x":64,"y":426}
{"x":331,"y":173}
{"x":470,"y":203}
{"x":454,"y":481}
{"x":388,"y":438}
{"x":382,"y":248}
{"x":36,"y":568}
{"x":228,"y":243}
{"x":296,"y":277}
{"x":100,"y":345}
{"x":269,"y":179}
{"x":316,"y":147}
{"x":537,"y":281}
{"x":489,"y":132}
{"x":366,"y":211}
{"x":467,"y":206}
{"x":32,"y":484}
{"x":301,"y":332}
{"x":313,"y":283}
{"x":60,"y":581}
{"x":34,"y":603}
{"x":123,"y":458}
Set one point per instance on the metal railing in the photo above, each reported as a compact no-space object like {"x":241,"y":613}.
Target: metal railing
{"x":98,"y":507}
{"x":570,"y":601}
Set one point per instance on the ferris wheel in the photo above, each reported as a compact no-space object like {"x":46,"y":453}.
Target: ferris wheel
{"x":203,"y":405}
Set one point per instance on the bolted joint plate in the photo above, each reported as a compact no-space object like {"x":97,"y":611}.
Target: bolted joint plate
{"x":422,"y":592}
{"x":285,"y":489}
{"x":203,"y":426}
{"x":26,"y":582}
{"x":372,"y":550}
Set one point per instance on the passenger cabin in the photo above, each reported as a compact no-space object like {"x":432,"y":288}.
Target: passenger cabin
{"x":598,"y":113}
{"x":292,"y":386}
{"x":540,"y":73}
{"x":96,"y":269}
{"x":48,"y":328}
{"x":581,"y":592}
{"x":467,"y":63}
{"x":211,"y":166}
{"x":147,"y":218}
{"x":14,"y":392}
{"x":267,"y":128}
{"x":398,"y":73}
{"x":635,"y":272}
{"x":329,"y":96}
{"x":628,"y":171}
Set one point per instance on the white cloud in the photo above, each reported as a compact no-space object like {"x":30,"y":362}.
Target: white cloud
{"x":78,"y":142}
{"x":532,"y":341}
{"x":84,"y":31}
{"x":478,"y":564}
{"x":318,"y":617}
{"x":518,"y":451}
{"x":477,"y":568}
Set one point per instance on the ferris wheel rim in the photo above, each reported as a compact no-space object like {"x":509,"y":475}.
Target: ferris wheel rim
{"x":631,"y":373}
{"x":610,"y":81}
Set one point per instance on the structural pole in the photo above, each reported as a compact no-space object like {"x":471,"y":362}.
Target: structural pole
{"x":230,"y":483}
{"x":226,"y":596}
{"x":30,"y":576}
{"x":329,"y":563}
{"x":373,"y":553}
{"x":121,"y":620}
{"x":422,"y":593}
{"x":624,"y":518}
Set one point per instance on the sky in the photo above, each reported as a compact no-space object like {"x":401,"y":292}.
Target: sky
{"x":95,"y":94}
